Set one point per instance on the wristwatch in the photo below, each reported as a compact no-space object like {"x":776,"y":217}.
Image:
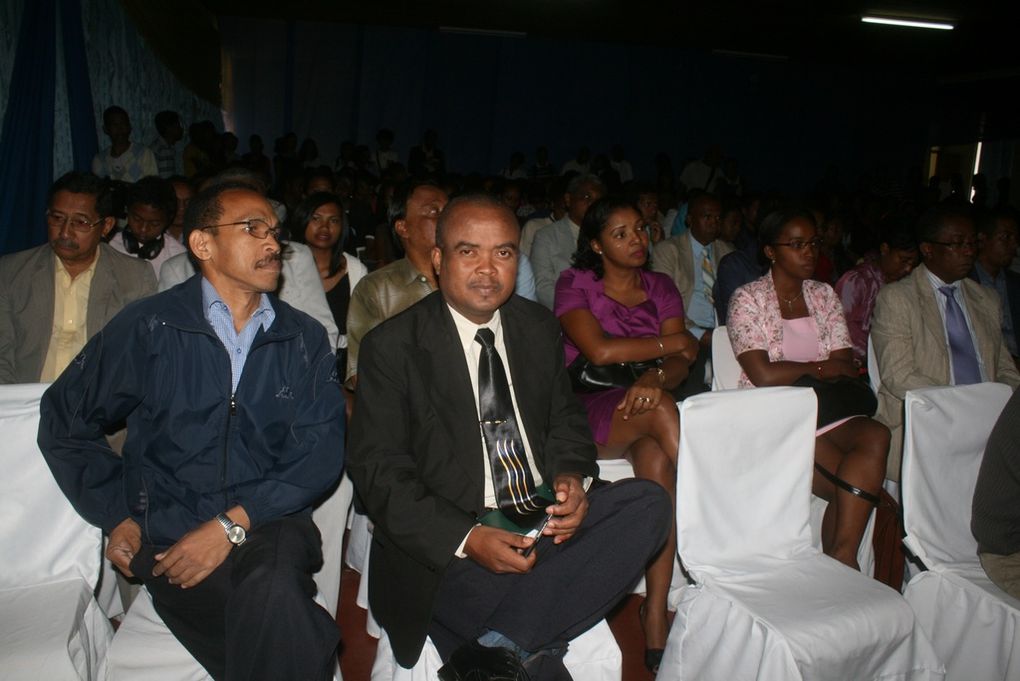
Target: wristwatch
{"x":235,"y":533}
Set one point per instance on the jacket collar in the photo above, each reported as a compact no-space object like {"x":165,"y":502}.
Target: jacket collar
{"x":184,"y":310}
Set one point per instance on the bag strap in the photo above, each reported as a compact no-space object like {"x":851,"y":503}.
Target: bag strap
{"x":873,"y":499}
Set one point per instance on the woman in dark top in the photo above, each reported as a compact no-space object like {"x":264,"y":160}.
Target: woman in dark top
{"x":318,"y":222}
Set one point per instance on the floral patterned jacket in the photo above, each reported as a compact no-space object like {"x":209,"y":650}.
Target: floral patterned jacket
{"x":754,"y":321}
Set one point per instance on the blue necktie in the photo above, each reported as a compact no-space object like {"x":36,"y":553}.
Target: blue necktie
{"x":961,"y":347}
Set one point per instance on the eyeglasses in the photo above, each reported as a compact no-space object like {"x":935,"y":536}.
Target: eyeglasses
{"x":798,"y":245}
{"x":78,"y":223}
{"x":256,"y":227}
{"x":957,"y":246}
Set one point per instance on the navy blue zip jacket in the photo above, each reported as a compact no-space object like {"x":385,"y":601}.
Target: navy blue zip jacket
{"x":194,"y":450}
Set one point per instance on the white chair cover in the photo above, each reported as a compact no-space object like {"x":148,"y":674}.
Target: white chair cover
{"x":51,"y":626}
{"x":973,"y":624}
{"x":767,"y":604}
{"x":725,"y":368}
{"x":592,"y":656}
{"x":726,"y":378}
{"x":144,"y":649}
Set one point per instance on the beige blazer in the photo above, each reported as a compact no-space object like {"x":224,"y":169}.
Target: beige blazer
{"x":26,"y":304}
{"x":910,"y":345}
{"x":673,"y":256}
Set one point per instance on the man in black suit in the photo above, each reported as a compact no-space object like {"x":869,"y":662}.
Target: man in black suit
{"x":420,"y":460}
{"x":997,"y":244}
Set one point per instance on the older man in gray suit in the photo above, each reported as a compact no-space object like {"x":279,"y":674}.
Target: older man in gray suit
{"x":555,"y":244}
{"x":936,"y":326}
{"x":54,"y":297}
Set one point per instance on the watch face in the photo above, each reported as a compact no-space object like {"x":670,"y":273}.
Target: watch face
{"x":236,"y":534}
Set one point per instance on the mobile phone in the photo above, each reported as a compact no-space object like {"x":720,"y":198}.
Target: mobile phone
{"x":536,"y":534}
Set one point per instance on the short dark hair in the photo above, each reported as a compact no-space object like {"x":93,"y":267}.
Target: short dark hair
{"x":899,"y":239}
{"x":397,"y":208}
{"x":164,"y":119}
{"x":934,"y":220}
{"x":480,"y":200}
{"x":153,"y":191}
{"x":595,"y":220}
{"x":111,"y":111}
{"x":989,"y":220}
{"x":774,"y":222}
{"x":247,"y":178}
{"x":297,"y":223}
{"x":86,"y":183}
{"x":206,"y":208}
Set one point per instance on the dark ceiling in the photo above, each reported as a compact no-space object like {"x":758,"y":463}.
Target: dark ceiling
{"x":982,"y":47}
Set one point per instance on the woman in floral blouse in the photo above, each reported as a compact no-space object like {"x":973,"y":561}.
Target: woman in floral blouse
{"x":785,"y":325}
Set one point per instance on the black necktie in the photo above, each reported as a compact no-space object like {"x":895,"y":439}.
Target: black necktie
{"x":511,"y":476}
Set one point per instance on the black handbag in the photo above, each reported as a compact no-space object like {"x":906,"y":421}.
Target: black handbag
{"x":586,"y":377}
{"x":840,"y":397}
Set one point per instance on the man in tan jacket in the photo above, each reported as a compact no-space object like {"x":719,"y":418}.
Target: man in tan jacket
{"x":912,"y":330}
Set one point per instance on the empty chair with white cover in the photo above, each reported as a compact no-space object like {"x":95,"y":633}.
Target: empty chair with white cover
{"x":974,"y":625}
{"x":144,"y":649}
{"x":51,"y":628}
{"x":766,"y":603}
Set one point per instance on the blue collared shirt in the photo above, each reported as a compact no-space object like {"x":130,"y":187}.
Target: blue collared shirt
{"x":701,"y":311}
{"x":236,"y":344}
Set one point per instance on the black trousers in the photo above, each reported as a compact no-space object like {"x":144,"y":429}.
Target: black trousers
{"x":572,"y":586}
{"x":253,"y":617}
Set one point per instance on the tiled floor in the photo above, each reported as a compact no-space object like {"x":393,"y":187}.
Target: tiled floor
{"x":358,"y":648}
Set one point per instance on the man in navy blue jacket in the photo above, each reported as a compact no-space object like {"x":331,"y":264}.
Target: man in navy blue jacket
{"x":235,"y":428}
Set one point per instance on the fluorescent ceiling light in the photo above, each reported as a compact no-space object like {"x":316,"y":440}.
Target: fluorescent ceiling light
{"x":911,"y":23}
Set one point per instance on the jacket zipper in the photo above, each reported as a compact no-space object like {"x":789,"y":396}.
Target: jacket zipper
{"x":231,"y":413}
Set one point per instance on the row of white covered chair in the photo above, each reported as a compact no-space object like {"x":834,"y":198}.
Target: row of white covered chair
{"x":52,"y":628}
{"x":973,"y":625}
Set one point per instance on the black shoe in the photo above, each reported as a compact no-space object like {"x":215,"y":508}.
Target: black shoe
{"x":474,"y":662}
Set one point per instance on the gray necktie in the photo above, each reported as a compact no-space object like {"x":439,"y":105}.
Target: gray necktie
{"x":961,"y":346}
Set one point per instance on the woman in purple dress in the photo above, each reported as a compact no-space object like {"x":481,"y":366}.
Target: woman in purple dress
{"x":613,"y":309}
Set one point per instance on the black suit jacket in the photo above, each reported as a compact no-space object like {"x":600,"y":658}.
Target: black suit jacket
{"x":416,"y":455}
{"x":1012,"y":295}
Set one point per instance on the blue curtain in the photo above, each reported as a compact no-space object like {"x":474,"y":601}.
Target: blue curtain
{"x":79,"y":88}
{"x":26,"y":140}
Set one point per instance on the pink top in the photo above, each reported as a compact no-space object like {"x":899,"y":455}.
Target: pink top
{"x":754,"y":321}
{"x":800,"y":340}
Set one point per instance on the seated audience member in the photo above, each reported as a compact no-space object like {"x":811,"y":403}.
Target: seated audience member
{"x":542,"y":168}
{"x":493,"y":608}
{"x":731,"y":220}
{"x":621,"y":165}
{"x":515,"y":170}
{"x":384,"y":155}
{"x":557,"y":209}
{"x":183,"y":191}
{"x":123,"y":160}
{"x":554,"y":245}
{"x":318,"y":222}
{"x":691,"y":260}
{"x":413,"y":211}
{"x":227,"y":552}
{"x":833,"y":259}
{"x":997,"y":244}
{"x":317,"y":180}
{"x":858,"y":288}
{"x":427,"y":160}
{"x":54,"y":297}
{"x":646,"y":199}
{"x":785,"y":325}
{"x":996,"y":512}
{"x":300,"y":284}
{"x":510,"y":196}
{"x":936,"y":326}
{"x":256,"y":158}
{"x":700,"y":174}
{"x":164,"y":147}
{"x":151,"y":205}
{"x":735,"y":269}
{"x":580,"y":164}
{"x":614,"y":310}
